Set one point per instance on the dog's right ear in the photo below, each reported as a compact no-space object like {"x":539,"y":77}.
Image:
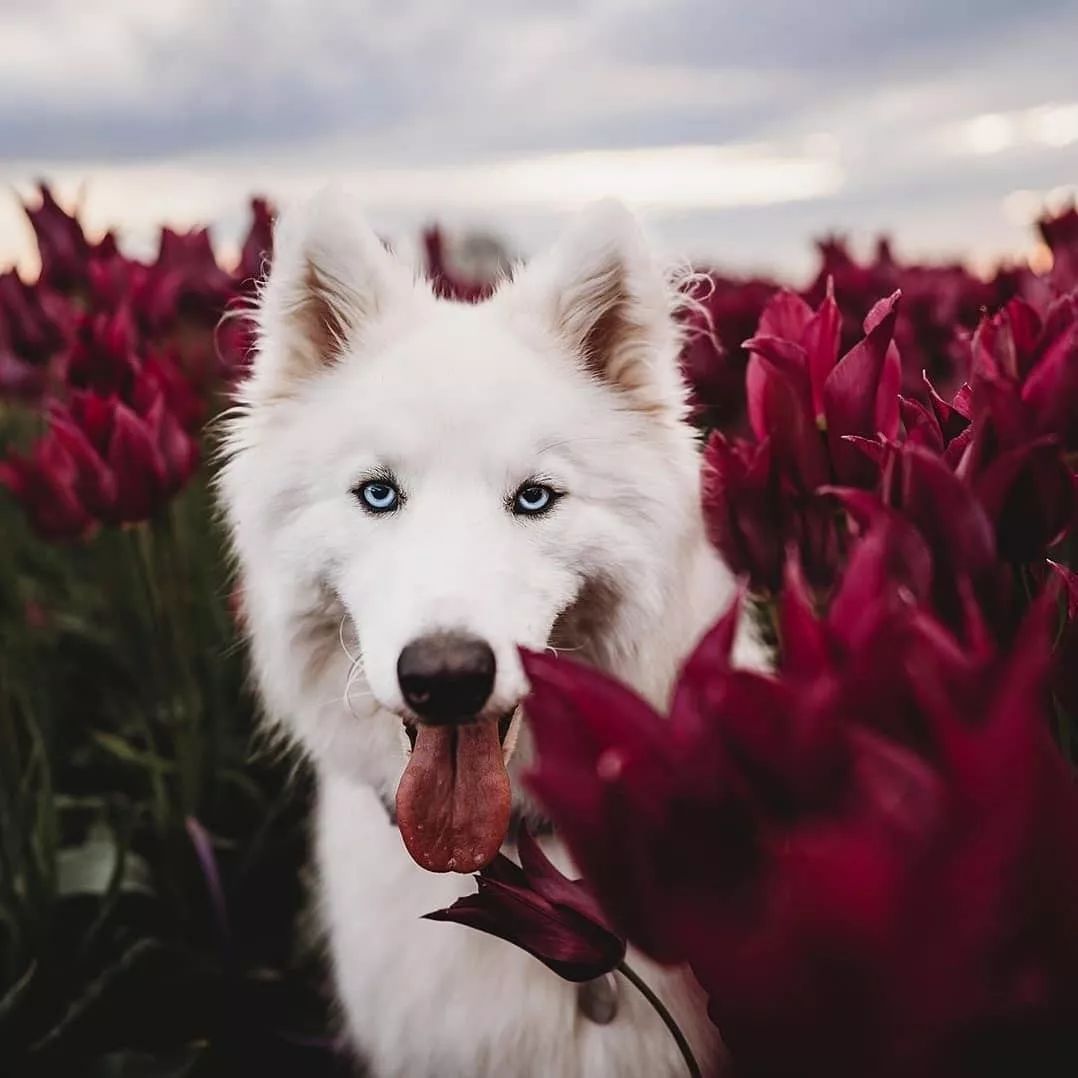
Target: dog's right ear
{"x":330,"y":279}
{"x":608,"y":301}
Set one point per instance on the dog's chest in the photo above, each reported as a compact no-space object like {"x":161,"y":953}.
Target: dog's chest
{"x":423,"y":998}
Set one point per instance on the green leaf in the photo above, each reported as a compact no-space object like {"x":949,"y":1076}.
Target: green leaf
{"x":124,"y":750}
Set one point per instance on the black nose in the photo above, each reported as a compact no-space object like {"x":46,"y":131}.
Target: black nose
{"x":446,"y":677}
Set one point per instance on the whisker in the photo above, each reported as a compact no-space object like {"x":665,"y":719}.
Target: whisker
{"x":355,"y":673}
{"x":560,"y":443}
{"x":348,"y":704}
{"x":340,"y":637}
{"x":556,"y":650}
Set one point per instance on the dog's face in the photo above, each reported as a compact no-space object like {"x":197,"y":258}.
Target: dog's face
{"x":452,"y":482}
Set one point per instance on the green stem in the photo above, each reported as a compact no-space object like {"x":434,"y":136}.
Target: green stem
{"x":668,"y":1019}
{"x":144,"y":580}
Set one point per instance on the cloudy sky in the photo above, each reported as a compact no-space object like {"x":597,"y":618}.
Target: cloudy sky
{"x":739,"y":130}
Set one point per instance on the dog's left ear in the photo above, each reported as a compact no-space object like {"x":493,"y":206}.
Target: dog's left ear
{"x":601,"y":291}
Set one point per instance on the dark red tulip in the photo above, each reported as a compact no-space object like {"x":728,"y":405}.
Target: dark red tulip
{"x":603,"y":754}
{"x":101,"y":461}
{"x":65,"y":251}
{"x":909,"y":883}
{"x":753,"y":512}
{"x":784,"y":383}
{"x":151,"y":294}
{"x":1024,"y":417}
{"x":103,"y":355}
{"x":257,"y":248}
{"x":45,"y":485}
{"x":860,"y":395}
{"x":83,"y":429}
{"x":543,"y":912}
{"x":1004,"y":434}
{"x":1060,"y":232}
{"x":188,"y":258}
{"x":805,"y":407}
{"x":722,"y":313}
{"x":183,"y":288}
{"x":1028,"y":492}
{"x":803,"y":343}
{"x":446,"y":280}
{"x":35,"y":324}
{"x":34,"y":321}
{"x":1065,"y":678}
{"x":235,"y":339}
{"x":918,"y":488}
{"x":162,"y":376}
{"x":742,"y":502}
{"x":1025,"y":371}
{"x":178,"y":449}
{"x":136,"y":461}
{"x":940,"y":305}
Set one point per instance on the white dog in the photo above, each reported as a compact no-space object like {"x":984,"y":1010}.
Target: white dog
{"x":415,"y":487}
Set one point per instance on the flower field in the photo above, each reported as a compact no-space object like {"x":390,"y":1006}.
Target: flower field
{"x":868,"y":857}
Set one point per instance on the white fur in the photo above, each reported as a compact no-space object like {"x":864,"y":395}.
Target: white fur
{"x":359,"y":366}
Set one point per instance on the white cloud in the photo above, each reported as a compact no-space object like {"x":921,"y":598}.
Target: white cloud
{"x":1053,"y":125}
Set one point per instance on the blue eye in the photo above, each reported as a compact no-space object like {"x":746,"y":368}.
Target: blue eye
{"x":532,"y":499}
{"x":378,"y":496}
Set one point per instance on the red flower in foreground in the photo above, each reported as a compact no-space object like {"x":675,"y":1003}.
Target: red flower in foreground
{"x":1065,"y":681}
{"x":550,"y":916}
{"x":866,"y":859}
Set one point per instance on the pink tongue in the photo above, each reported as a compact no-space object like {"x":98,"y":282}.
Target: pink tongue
{"x":453,"y":800}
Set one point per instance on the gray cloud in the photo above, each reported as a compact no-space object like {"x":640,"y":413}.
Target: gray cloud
{"x":432,"y":81}
{"x":410,"y":84}
{"x":826,"y":39}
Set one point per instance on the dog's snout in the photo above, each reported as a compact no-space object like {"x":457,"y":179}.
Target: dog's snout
{"x":446,"y":677}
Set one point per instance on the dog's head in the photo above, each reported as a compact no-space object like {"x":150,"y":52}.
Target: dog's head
{"x":417,"y":488}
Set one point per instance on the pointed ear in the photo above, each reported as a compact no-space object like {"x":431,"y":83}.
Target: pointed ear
{"x":608,"y":301}
{"x":330,"y":279}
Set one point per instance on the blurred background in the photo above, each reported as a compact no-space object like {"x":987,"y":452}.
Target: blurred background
{"x":741,"y":133}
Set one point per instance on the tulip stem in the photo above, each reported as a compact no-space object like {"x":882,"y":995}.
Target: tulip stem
{"x":675,"y":1030}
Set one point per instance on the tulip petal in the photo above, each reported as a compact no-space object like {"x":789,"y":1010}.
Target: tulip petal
{"x":803,"y":644}
{"x":1028,"y":493}
{"x":821,"y":342}
{"x":945,"y":511}
{"x":851,"y":390}
{"x":786,"y":315}
{"x":137,"y":465}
